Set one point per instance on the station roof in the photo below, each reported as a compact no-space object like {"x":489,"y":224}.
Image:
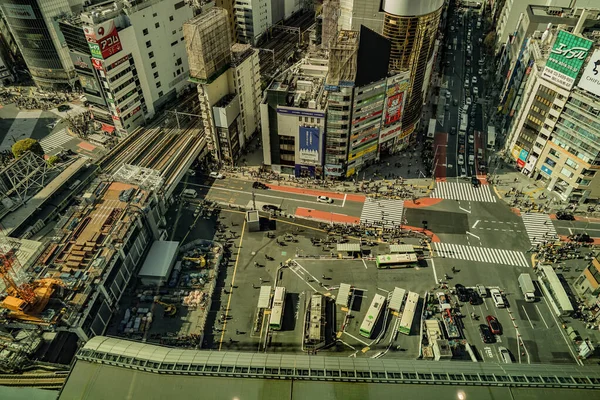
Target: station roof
{"x":349,"y":247}
{"x":264,"y":298}
{"x":343,"y":294}
{"x":159,"y":259}
{"x":134,"y":373}
{"x":402,"y":248}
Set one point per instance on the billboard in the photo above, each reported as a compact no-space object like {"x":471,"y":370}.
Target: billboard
{"x":18,"y":11}
{"x":590,"y":80}
{"x":566,"y":58}
{"x":81,"y":61}
{"x":394,"y":103}
{"x":523,"y":155}
{"x":103,"y":39}
{"x":308,"y":144}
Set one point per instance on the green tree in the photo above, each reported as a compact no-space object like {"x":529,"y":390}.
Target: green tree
{"x":24,"y":145}
{"x":52,"y":160}
{"x":490,"y":41}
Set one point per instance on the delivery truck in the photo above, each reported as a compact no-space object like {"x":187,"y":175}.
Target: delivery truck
{"x":526,"y":285}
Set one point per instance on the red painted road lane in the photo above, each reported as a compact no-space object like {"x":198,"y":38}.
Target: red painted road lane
{"x":479,"y":144}
{"x":326,"y":216}
{"x":359,"y":198}
{"x":422,"y":202}
{"x":439,"y":154}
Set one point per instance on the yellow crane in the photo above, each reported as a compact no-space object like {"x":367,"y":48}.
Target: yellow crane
{"x":201,"y":261}
{"x":170,"y":309}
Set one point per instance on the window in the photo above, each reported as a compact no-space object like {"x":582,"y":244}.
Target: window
{"x":174,"y":32}
{"x":171,"y":18}
{"x":148,"y":43}
{"x":173,"y":43}
{"x":179,"y":5}
{"x":179,"y":62}
{"x":145,"y":31}
{"x":157,"y":85}
{"x":151,"y":54}
{"x":572,"y":163}
{"x":157,"y":25}
{"x":153,"y":65}
{"x":155,"y":75}
{"x":155,"y":15}
{"x":554,"y":153}
{"x":550,"y":162}
{"x":566,"y":173}
{"x":160,"y":93}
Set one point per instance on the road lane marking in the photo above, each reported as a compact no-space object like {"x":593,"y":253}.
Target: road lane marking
{"x":475,"y":224}
{"x":540,"y":313}
{"x":344,"y":202}
{"x":475,"y":236}
{"x":365,"y":263}
{"x":527,"y":315}
{"x":357,"y":339}
{"x":465,"y":210}
{"x":577,"y":360}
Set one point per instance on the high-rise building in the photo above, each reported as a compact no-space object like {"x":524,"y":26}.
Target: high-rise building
{"x":253,"y":18}
{"x":412,"y":28}
{"x":34,"y":25}
{"x":228,"y":79}
{"x":130,"y":58}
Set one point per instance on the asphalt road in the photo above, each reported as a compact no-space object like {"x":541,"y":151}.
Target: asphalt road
{"x":456,"y":73}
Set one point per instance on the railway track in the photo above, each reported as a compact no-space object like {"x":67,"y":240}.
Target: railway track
{"x":41,"y":381}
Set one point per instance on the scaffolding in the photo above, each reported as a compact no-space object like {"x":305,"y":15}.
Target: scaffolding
{"x":343,"y":59}
{"x":208,"y":45}
{"x":331,"y":15}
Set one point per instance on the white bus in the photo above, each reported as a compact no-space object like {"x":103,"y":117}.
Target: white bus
{"x":431,"y":131}
{"x":277,"y":309}
{"x":373,"y":313}
{"x":491,"y":137}
{"x":408,"y":314}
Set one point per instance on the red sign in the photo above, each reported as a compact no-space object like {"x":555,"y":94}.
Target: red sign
{"x":103,"y":39}
{"x":394,"y":108}
{"x":520,"y":163}
{"x":97,"y":64}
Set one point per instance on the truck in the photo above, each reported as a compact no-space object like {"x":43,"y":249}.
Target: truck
{"x":463,"y":123}
{"x":526,"y":285}
{"x":431,"y":130}
{"x":491,"y":137}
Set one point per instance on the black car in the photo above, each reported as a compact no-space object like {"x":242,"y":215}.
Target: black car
{"x":582,"y":238}
{"x":270,"y":207}
{"x":461,"y":292}
{"x":486,"y":334}
{"x":461,"y":139}
{"x":474,"y":298}
{"x":259,"y":185}
{"x":565,"y":216}
{"x":64,"y":107}
{"x":475,"y":181}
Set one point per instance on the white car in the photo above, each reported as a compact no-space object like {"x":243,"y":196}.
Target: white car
{"x":497,"y":298}
{"x":468,"y":101}
{"x":471,"y":159}
{"x":461,"y":159}
{"x":466,"y":84}
{"x":480,"y":71}
{"x":471,"y":139}
{"x":324,"y":199}
{"x":474,"y":80}
{"x":191,"y":172}
{"x":475,"y":90}
{"x":51,"y":125}
{"x":463,"y":172}
{"x":505,"y":355}
{"x":216,"y":175}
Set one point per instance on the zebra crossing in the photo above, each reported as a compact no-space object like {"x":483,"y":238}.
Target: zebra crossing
{"x":55,"y":140}
{"x":539,"y":228}
{"x":463,"y":191}
{"x":481,"y":254}
{"x":383,"y":212}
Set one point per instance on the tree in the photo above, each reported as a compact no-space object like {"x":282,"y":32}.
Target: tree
{"x":490,"y":41}
{"x":28,"y":144}
{"x":52,"y":160}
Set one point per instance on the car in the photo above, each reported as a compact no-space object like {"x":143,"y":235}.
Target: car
{"x":494,"y":325}
{"x":474,"y":80}
{"x":449,"y":47}
{"x":581,"y":238}
{"x":468,"y":101}
{"x":480,"y":71}
{"x":461,"y":159}
{"x":216,"y":175}
{"x":471,"y":139}
{"x":472,"y":123}
{"x":475,"y":90}
{"x":270,"y":207}
{"x":474,"y":298}
{"x":453,"y":130}
{"x":497,"y":298}
{"x":505,"y":355}
{"x":451,"y":28}
{"x":324,"y":199}
{"x":64,"y":107}
{"x":480,"y":288}
{"x":482,"y":62}
{"x":461,"y":149}
{"x":466,"y":84}
{"x":461,"y":139}
{"x":486,"y":335}
{"x":259,"y":185}
{"x":191,"y":172}
{"x":447,"y":106}
{"x":463,"y":172}
{"x":480,"y":40}
{"x":468,"y":47}
{"x":567,"y":216}
{"x":455,"y":102}
{"x":468,"y":63}
{"x":461,"y":292}
{"x":476,"y":182}
{"x":448,"y":94}
{"x":471,"y":159}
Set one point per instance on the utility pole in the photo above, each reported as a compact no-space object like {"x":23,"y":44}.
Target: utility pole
{"x":253,"y":200}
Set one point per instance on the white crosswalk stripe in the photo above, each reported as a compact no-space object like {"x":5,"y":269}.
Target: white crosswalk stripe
{"x":539,"y":228}
{"x":481,"y":254}
{"x":387,"y":213}
{"x":463,"y":191}
{"x":55,"y":140}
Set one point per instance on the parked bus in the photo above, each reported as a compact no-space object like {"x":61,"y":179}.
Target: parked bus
{"x":410,"y":308}
{"x":373,"y":313}
{"x":277,"y":309}
{"x":431,"y":131}
{"x":402,"y":260}
{"x":491,"y":137}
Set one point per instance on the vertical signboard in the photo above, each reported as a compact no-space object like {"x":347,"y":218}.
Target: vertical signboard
{"x":590,"y":80}
{"x":103,"y":39}
{"x":308,"y":144}
{"x":394,"y":103}
{"x":566,"y":58}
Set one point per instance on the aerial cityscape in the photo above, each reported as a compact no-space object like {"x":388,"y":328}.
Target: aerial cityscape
{"x":277,"y":199}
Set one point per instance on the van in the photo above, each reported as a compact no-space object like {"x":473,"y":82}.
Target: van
{"x":479,"y":154}
{"x":189,"y":193}
{"x":497,"y":298}
{"x":481,"y":290}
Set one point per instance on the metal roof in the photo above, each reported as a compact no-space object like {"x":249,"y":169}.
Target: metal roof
{"x":264,"y":298}
{"x":560,"y":295}
{"x":159,"y":259}
{"x":343,"y":295}
{"x":397,"y":299}
{"x":348,"y":247}
{"x":402,"y":248}
{"x":148,"y":357}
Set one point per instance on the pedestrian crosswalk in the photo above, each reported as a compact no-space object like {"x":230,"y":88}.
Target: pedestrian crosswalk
{"x":480,"y":254}
{"x":382,"y":212}
{"x":55,"y":140}
{"x":539,"y":228}
{"x":463,"y":191}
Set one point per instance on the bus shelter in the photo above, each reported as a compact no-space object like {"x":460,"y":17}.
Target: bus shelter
{"x":349,"y":250}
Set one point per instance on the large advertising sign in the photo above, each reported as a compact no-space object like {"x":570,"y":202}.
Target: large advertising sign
{"x":566,"y":58}
{"x":308,"y":144}
{"x":394,"y":103}
{"x":18,"y":11}
{"x":103,"y":39}
{"x":81,"y":61}
{"x":590,"y":80}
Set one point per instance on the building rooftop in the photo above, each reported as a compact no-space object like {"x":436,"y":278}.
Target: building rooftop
{"x":159,"y":259}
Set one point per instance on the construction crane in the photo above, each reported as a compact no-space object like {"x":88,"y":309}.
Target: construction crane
{"x":201,"y":261}
{"x":170,"y":309}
